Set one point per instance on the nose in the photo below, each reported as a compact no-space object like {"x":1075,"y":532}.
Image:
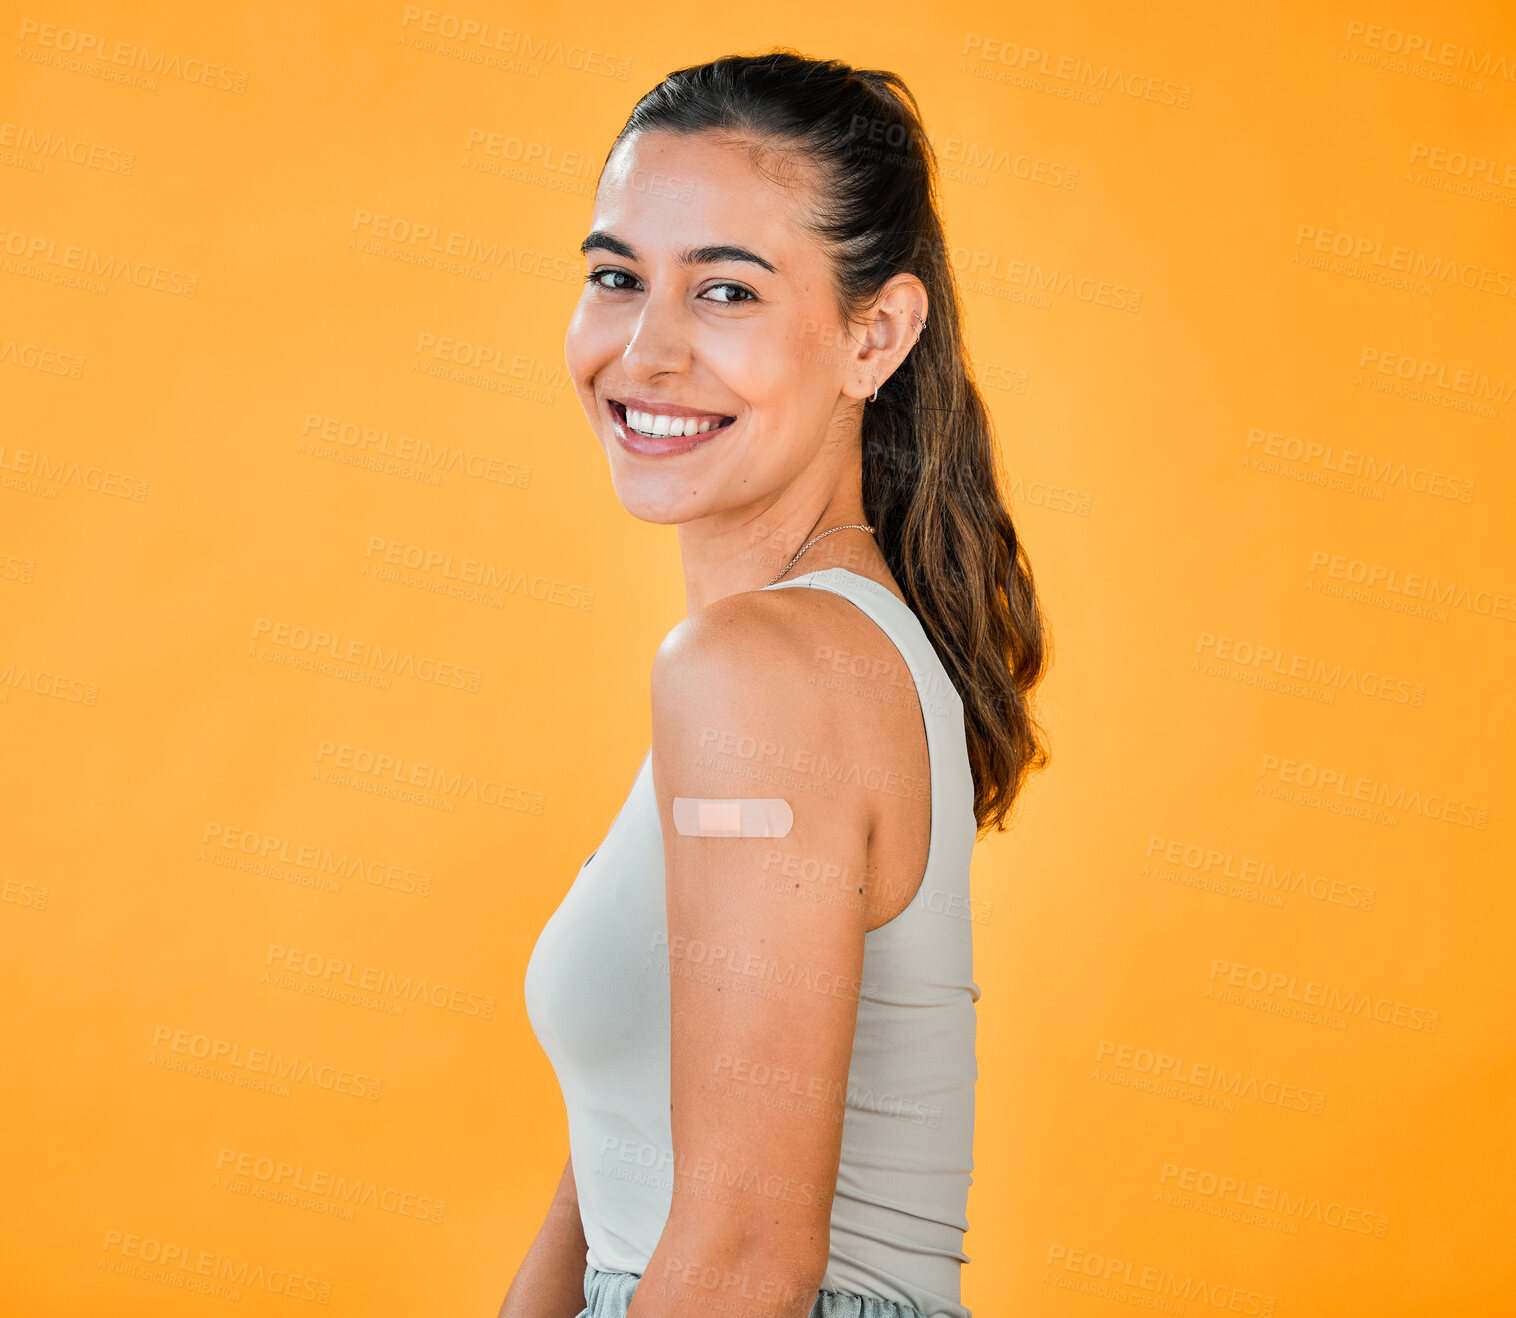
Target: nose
{"x":659,"y":343}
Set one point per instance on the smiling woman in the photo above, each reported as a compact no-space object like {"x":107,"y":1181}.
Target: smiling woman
{"x":766,"y":1038}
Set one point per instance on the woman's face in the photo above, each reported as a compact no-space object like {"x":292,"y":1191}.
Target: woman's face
{"x":745,"y":337}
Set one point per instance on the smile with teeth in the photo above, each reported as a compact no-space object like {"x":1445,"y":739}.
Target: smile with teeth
{"x":659,"y":425}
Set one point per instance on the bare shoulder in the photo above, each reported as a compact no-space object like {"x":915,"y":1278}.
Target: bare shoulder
{"x":733,"y":683}
{"x":762,"y":640}
{"x":803,"y":691}
{"x":811,"y":657}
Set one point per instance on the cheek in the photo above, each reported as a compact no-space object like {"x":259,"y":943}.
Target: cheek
{"x":589,"y":341}
{"x":576,"y":345}
{"x":761,"y":372}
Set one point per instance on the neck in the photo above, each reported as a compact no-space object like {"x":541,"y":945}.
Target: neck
{"x":741,"y":549}
{"x":746,"y":554}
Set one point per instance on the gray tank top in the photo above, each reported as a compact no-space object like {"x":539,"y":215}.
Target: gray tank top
{"x":597,"y":996}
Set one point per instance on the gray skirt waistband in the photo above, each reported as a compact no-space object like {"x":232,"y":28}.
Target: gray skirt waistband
{"x":607,"y":1295}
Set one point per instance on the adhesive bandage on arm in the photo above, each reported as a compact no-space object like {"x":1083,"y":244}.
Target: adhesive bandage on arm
{"x":755,"y":817}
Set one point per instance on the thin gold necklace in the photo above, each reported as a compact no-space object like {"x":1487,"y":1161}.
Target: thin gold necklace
{"x":851,"y":526}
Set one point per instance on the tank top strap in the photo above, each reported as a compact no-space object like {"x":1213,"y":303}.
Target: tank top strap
{"x":938,"y":697}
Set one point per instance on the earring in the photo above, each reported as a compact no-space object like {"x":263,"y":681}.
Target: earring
{"x":875,"y":398}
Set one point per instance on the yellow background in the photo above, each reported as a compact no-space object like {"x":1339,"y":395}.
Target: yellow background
{"x":169,"y":510}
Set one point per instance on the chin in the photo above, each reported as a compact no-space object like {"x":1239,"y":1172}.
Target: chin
{"x":659,"y":500}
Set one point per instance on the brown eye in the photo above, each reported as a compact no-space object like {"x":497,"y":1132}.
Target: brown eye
{"x":747,"y":295}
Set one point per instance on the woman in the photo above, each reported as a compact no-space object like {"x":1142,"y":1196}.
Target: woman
{"x":762,"y":1014}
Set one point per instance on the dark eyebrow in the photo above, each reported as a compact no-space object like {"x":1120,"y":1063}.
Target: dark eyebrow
{"x":695,"y":256}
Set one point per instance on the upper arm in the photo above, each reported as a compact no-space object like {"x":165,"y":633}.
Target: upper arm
{"x":763,"y":981}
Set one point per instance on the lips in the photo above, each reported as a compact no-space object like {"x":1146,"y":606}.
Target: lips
{"x":621,"y":408}
{"x":659,"y":446}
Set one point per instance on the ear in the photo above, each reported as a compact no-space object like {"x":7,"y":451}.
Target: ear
{"x":889,"y":331}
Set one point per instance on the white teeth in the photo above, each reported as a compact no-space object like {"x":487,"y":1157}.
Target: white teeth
{"x":663,"y":426}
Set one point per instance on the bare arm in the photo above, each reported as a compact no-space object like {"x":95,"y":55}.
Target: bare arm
{"x":550,"y":1280}
{"x":755,"y":1168}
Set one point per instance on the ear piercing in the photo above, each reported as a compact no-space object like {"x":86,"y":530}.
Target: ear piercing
{"x":920,"y":325}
